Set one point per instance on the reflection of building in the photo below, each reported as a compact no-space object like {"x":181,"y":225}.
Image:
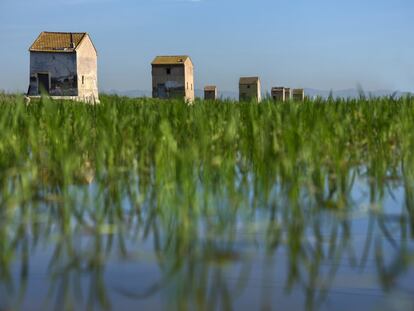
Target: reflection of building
{"x":64,"y":65}
{"x":173,"y":77}
{"x":210,"y":92}
{"x":298,"y":94}
{"x":249,"y":89}
{"x":86,"y":173}
{"x":50,"y":174}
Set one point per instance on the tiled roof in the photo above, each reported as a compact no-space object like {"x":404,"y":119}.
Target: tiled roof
{"x":57,"y":42}
{"x":249,"y":80}
{"x":170,"y":60}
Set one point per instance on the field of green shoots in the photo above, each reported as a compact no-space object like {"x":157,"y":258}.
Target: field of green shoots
{"x":214,"y":206}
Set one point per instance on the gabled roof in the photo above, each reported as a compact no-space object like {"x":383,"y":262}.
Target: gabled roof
{"x":57,"y":42}
{"x":249,"y":80}
{"x":170,"y":60}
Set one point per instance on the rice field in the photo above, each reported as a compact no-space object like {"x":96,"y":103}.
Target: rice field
{"x":143,"y":203}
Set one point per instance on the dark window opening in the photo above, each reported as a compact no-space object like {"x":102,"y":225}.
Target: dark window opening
{"x":168,"y":70}
{"x":83,"y":80}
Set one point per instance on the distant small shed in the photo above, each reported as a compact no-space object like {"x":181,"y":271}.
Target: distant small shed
{"x":281,"y":93}
{"x":278,"y":93}
{"x":64,"y":65}
{"x":298,"y":94}
{"x":250,"y":89}
{"x":210,"y":92}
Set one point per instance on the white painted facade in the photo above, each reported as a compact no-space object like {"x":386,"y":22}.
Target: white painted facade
{"x":87,"y":69}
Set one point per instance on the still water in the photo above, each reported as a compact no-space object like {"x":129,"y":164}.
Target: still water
{"x":252,"y":248}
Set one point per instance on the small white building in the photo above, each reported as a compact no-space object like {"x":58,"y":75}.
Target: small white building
{"x":64,"y":65}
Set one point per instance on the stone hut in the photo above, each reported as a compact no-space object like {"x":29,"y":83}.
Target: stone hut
{"x":64,"y":65}
{"x":173,"y":77}
{"x":249,"y":89}
{"x":210,"y":92}
{"x":298,"y":95}
{"x":281,"y":93}
{"x":278,"y":93}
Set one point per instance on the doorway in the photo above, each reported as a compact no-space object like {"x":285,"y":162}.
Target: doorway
{"x":43,"y":83}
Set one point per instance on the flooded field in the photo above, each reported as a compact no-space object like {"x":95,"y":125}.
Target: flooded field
{"x":145,"y":204}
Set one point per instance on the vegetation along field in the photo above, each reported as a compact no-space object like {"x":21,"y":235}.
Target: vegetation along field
{"x":144,"y":204}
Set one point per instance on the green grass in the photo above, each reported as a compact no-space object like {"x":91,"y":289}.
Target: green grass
{"x":177,"y":147}
{"x":182,"y":174}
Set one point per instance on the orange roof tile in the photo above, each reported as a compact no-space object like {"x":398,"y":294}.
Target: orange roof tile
{"x":57,"y":42}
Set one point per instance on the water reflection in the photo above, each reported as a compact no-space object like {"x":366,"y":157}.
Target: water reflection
{"x":90,"y":245}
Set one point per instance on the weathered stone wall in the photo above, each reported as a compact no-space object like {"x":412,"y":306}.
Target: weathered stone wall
{"x":87,"y":68}
{"x":249,"y":92}
{"x":61,"y":68}
{"x":170,"y":81}
{"x":298,"y":94}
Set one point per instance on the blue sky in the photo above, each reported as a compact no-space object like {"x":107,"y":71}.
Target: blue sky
{"x":300,"y":43}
